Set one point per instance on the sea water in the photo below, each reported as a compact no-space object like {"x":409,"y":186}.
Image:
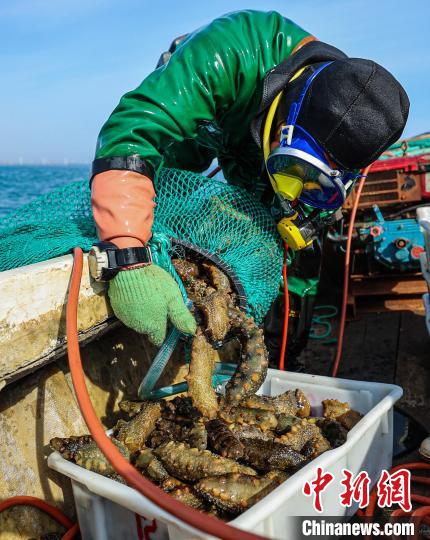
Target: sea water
{"x":20,"y":184}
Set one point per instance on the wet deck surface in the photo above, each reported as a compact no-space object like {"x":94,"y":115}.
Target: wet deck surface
{"x":391,"y":347}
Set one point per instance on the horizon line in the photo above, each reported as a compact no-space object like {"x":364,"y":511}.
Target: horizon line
{"x":38,"y":163}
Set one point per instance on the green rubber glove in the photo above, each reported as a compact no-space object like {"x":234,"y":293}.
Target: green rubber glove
{"x":145,"y":298}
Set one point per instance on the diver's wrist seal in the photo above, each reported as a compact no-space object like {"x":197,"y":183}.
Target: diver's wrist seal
{"x":105,"y":259}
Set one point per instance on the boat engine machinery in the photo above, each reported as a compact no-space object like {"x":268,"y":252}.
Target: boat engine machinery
{"x":396,"y":243}
{"x":387,"y":240}
{"x":387,"y":234}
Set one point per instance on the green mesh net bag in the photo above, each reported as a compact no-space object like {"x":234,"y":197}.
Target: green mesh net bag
{"x":224,"y":220}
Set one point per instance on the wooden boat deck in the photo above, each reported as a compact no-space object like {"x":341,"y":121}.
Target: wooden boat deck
{"x":390,"y":347}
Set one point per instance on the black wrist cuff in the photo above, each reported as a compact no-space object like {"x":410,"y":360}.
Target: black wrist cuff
{"x":118,"y":259}
{"x":123,"y":163}
{"x":134,"y":255}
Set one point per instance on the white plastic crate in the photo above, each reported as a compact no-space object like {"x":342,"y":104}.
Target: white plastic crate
{"x":425,"y":269}
{"x":423,"y":217}
{"x":107,"y":510}
{"x":426,"y":302}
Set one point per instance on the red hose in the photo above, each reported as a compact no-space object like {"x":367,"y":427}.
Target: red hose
{"x":71,"y":533}
{"x":421,"y":514}
{"x":54,"y":513}
{"x":402,"y":513}
{"x":286,"y":311}
{"x":214,"y":172}
{"x":346,"y":274}
{"x":418,"y":515}
{"x":200,"y":521}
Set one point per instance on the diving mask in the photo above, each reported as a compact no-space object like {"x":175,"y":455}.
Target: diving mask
{"x":299,"y":169}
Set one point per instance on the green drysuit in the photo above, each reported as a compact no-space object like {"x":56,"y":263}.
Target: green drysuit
{"x":201,"y":103}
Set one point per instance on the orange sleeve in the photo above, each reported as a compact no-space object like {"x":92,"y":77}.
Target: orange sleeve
{"x":123,"y":207}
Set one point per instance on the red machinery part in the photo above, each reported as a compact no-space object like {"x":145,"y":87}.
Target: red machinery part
{"x":425,"y":183}
{"x":414,"y":164}
{"x":416,"y":251}
{"x":376,"y":231}
{"x":407,"y":164}
{"x":404,"y":180}
{"x":198,"y":520}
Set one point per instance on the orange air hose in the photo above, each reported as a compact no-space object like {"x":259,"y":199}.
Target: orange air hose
{"x":214,"y":171}
{"x":418,"y":515}
{"x":71,"y":533}
{"x":286,"y":311}
{"x":191,"y":517}
{"x":54,"y":513}
{"x":346,"y":270}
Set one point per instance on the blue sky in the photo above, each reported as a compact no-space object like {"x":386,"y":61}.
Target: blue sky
{"x":65,"y":63}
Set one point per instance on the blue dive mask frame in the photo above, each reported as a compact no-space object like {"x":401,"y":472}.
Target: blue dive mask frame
{"x":323,"y":187}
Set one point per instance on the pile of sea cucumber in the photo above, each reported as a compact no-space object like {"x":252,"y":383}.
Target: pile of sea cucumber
{"x":221,"y":465}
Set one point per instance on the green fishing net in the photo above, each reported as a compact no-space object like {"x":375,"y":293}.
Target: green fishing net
{"x":225,"y":220}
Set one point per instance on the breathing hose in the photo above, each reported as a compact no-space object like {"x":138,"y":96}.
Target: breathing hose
{"x":146,"y":387}
{"x":346,"y":272}
{"x":286,"y":311}
{"x":191,"y":517}
{"x":323,"y":321}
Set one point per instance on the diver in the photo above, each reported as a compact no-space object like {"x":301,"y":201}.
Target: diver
{"x":288,"y":117}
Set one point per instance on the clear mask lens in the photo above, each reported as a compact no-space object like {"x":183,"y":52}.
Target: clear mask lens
{"x":320,"y":189}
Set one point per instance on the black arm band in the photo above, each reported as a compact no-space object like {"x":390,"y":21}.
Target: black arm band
{"x":123,"y":163}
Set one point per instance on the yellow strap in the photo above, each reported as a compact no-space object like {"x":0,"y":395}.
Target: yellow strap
{"x":271,"y":114}
{"x":268,"y":125}
{"x":297,"y":74}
